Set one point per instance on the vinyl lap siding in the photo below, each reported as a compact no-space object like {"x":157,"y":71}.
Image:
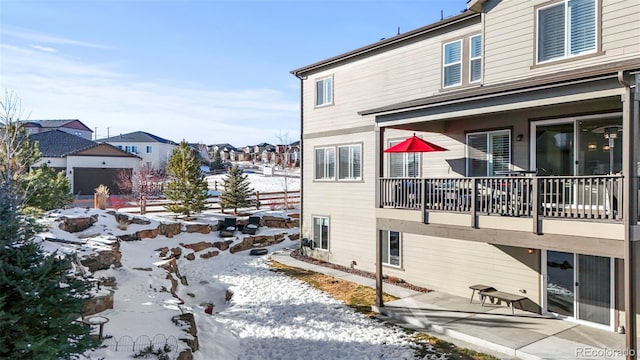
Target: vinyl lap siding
{"x":350,"y":205}
{"x":510,"y":40}
{"x":402,"y":74}
{"x":624,"y":36}
{"x":451,"y":266}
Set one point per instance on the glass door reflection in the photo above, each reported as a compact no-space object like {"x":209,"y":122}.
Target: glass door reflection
{"x":560,"y":283}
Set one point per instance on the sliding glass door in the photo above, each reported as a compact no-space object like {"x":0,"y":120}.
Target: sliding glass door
{"x":554,"y":149}
{"x":594,"y":289}
{"x":560,"y":283}
{"x":577,"y":146}
{"x":579,"y":286}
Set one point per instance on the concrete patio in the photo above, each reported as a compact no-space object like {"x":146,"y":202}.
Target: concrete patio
{"x":492,"y":329}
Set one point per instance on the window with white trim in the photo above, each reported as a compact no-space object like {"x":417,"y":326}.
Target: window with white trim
{"x":403,"y":165}
{"x":488,"y":152}
{"x":325,"y":163}
{"x":452,"y":64}
{"x":349,"y":162}
{"x":475,"y":58}
{"x":324,"y":91}
{"x":391,"y":248}
{"x":321,"y":232}
{"x":566,"y":29}
{"x":149,"y":149}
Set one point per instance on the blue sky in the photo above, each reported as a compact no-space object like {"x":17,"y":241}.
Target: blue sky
{"x":205,"y":71}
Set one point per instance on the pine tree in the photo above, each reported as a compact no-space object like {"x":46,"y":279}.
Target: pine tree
{"x":40,"y":299}
{"x":236,"y":191}
{"x":48,"y":189}
{"x":217,"y":162}
{"x":187,"y":187}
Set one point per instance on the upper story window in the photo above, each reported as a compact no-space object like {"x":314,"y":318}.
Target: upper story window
{"x":149,"y":149}
{"x":462,"y":61}
{"x":324,"y":91}
{"x":325,"y":163}
{"x":452,"y":64}
{"x":475,"y":58}
{"x":566,"y":29}
{"x":488,"y":152}
{"x":349,"y":162}
{"x":134,"y":149}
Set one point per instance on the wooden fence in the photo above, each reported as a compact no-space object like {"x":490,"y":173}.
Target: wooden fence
{"x":258,"y":200}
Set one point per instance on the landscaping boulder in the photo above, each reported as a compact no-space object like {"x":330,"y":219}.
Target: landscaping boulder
{"x":280,"y":222}
{"x":170,"y":230}
{"x":222,"y":245}
{"x":199,"y":246}
{"x":74,"y":225}
{"x":187,"y":321}
{"x":209,"y":254}
{"x":198,"y":228}
{"x":102,"y":260}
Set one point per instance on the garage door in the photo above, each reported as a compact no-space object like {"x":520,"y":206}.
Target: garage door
{"x":85,"y":180}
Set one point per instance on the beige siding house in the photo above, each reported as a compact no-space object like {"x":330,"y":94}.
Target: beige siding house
{"x":154,"y":150}
{"x":86,"y":163}
{"x":537,"y":193}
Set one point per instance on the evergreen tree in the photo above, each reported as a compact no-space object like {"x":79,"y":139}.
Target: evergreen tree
{"x":236,"y":191}
{"x":48,"y":189}
{"x":40,"y":300}
{"x":187,"y":187}
{"x":217,"y":162}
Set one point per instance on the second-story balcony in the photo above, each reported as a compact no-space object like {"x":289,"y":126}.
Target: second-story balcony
{"x":593,"y":198}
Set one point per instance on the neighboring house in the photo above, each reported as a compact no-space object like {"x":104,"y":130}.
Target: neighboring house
{"x":154,"y":150}
{"x":71,"y":126}
{"x":86,"y":163}
{"x":238,"y":155}
{"x":225,"y":151}
{"x":202,"y":153}
{"x":287,"y":155}
{"x":534,"y":101}
{"x":263,"y":153}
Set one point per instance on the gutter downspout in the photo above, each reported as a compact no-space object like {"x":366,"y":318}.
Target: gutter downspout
{"x":629,"y":98}
{"x":301,"y":219}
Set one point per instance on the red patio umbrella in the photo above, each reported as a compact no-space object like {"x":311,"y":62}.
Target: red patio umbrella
{"x":414,"y":144}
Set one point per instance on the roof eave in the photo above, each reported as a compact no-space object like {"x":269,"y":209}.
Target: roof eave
{"x":385,"y":43}
{"x":475,"y":5}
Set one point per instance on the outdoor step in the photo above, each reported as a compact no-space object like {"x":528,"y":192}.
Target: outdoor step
{"x":409,"y":319}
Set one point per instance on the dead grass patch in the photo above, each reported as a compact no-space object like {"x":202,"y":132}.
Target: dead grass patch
{"x":354,"y":295}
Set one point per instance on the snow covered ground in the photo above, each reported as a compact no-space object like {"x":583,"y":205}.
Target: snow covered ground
{"x":263,"y":183}
{"x":269,"y":316}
